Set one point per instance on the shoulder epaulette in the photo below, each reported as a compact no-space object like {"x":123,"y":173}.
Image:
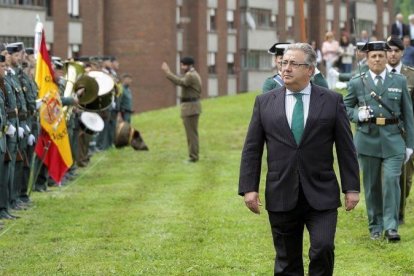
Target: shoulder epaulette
{"x":408,"y":68}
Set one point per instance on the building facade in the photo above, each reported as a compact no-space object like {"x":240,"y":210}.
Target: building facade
{"x":227,"y":38}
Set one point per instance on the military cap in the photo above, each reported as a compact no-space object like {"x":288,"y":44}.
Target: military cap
{"x":395,"y":41}
{"x":278,"y":49}
{"x":29,"y":51}
{"x":12,"y":49}
{"x":20,"y":45}
{"x":376,"y":46}
{"x":57,"y":61}
{"x":105,"y":58}
{"x":2,"y":58}
{"x":187,"y":61}
{"x":360,"y":45}
{"x":112,"y":58}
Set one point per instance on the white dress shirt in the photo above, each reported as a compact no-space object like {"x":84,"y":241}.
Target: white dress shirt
{"x":373,"y":76}
{"x":290,"y":102}
{"x":397,"y":68}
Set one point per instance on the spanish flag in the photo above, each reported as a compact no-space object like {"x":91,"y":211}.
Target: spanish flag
{"x":53,"y":146}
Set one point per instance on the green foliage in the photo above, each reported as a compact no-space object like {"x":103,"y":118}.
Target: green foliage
{"x":150,"y":213}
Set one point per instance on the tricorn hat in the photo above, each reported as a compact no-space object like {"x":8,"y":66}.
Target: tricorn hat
{"x":376,"y":46}
{"x":278,"y":49}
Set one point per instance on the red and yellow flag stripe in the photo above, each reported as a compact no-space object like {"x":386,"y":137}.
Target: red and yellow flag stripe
{"x":53,"y":145}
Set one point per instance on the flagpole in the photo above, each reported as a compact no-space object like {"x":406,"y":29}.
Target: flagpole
{"x":35,"y":173}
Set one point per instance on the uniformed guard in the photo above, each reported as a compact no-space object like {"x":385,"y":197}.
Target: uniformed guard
{"x":379,"y":104}
{"x":395,"y":66}
{"x":11,"y":133}
{"x":125,"y":101}
{"x":4,"y":155}
{"x":275,"y":81}
{"x":23,"y":130}
{"x":190,"y":102}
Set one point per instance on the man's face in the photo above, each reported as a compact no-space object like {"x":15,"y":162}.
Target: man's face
{"x":185,"y":68}
{"x":2,"y":69}
{"x":376,"y":61}
{"x":15,"y":58}
{"x":278,"y":63}
{"x":394,"y":56}
{"x":296,"y":73}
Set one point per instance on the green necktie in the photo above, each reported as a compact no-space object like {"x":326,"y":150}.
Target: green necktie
{"x":379,"y":83}
{"x":298,"y":118}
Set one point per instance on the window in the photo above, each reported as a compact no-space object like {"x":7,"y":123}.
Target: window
{"x":230,"y":20}
{"x":263,"y":18}
{"x":258,"y":60}
{"x":230,"y":64}
{"x":73,"y":8}
{"x":211,"y":63}
{"x":211,"y":20}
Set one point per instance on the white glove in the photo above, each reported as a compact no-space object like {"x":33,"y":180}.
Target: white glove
{"x":21,"y":132}
{"x":364,"y":113}
{"x":27,"y":128}
{"x":11,"y":130}
{"x":38,"y":103}
{"x":333,"y":72}
{"x":408,"y":153}
{"x":31,"y":139}
{"x":113,"y":104}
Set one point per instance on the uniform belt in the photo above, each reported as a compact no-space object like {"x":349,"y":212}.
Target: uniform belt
{"x":23,"y":116}
{"x":186,"y":100}
{"x":383,"y":121}
{"x":11,"y":114}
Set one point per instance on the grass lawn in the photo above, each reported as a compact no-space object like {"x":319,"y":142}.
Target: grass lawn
{"x":150,"y":213}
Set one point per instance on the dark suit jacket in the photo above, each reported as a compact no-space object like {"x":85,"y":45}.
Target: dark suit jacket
{"x":309,"y":163}
{"x":396,"y":31}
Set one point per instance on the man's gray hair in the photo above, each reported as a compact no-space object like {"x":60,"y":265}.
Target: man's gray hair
{"x":410,"y":17}
{"x":307,"y":49}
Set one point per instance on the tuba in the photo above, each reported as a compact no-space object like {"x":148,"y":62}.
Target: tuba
{"x":78,"y":85}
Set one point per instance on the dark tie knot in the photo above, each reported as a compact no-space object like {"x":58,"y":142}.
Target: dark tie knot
{"x":298,"y":96}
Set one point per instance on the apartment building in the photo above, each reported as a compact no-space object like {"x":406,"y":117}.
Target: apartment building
{"x":228,"y":38}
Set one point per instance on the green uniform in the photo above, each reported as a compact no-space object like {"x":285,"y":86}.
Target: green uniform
{"x":406,"y":182}
{"x":19,"y":179}
{"x":271,"y":83}
{"x":277,"y":82}
{"x":380,"y":145}
{"x":12,"y":120}
{"x":4,"y":190}
{"x":190,"y":108}
{"x":125,"y":104}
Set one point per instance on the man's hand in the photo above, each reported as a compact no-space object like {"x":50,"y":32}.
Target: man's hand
{"x":351,"y":200}
{"x":408,"y":153}
{"x":165,"y":67}
{"x":252,"y":202}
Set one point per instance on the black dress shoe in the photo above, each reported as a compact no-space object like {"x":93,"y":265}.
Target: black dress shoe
{"x":392,"y":235}
{"x":375,"y":236}
{"x":5,"y":215}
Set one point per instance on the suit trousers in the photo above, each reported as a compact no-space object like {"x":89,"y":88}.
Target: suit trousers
{"x":382,"y":194}
{"x":191,"y":131}
{"x":287,"y":231}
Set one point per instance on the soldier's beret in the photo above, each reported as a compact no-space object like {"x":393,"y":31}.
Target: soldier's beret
{"x":187,"y":61}
{"x":29,"y":51}
{"x":278,"y":49}
{"x":2,"y":58}
{"x":395,"y":41}
{"x":376,"y":46}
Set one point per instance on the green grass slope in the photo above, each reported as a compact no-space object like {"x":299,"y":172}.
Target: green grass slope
{"x":150,"y":213}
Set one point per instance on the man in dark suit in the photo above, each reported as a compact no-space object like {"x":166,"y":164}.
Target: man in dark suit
{"x":300,"y":124}
{"x":398,"y":28}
